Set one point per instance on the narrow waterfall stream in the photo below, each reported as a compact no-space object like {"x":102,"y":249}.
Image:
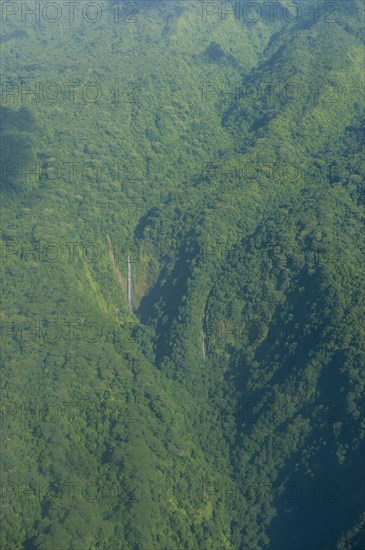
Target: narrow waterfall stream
{"x":204,"y":339}
{"x":129,"y":284}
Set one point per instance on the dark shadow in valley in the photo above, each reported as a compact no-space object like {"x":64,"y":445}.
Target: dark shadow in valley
{"x":16,"y":129}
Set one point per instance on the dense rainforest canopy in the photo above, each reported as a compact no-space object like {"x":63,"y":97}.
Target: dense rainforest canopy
{"x":182,"y":259}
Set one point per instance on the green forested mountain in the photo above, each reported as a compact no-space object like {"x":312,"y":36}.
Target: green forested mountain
{"x":182,"y":264}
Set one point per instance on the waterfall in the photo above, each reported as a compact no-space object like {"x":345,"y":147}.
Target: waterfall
{"x":129,"y":284}
{"x":204,"y":340}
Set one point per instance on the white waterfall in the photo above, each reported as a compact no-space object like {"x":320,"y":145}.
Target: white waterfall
{"x":204,"y":340}
{"x":129,"y":284}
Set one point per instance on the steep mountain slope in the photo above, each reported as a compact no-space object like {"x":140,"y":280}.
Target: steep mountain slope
{"x":224,"y":158}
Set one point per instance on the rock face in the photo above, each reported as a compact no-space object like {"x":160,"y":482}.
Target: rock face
{"x":117,"y":271}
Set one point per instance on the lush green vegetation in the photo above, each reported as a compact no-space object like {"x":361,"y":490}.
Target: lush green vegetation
{"x":225,"y":158}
